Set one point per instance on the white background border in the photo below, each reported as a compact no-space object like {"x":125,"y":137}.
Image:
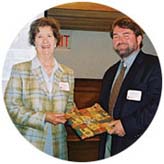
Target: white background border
{"x":15,"y":14}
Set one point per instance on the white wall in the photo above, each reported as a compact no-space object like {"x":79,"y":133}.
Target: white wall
{"x":92,"y":53}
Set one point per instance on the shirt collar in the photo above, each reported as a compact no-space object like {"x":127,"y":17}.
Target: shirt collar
{"x":36,"y":64}
{"x":130,"y":59}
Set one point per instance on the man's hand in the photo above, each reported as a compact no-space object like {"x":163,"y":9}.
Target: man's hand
{"x":115,"y":127}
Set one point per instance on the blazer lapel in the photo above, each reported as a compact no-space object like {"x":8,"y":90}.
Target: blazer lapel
{"x":132,"y":72}
{"x":39,"y":77}
{"x":57,"y":78}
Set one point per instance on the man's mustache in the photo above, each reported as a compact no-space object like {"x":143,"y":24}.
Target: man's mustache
{"x":119,"y":44}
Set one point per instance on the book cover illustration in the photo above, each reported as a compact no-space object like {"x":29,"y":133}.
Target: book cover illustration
{"x":88,"y":122}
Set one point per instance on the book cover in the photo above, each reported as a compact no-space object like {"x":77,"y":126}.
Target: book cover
{"x":88,"y":122}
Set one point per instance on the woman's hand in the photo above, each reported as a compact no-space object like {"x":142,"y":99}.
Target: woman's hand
{"x":55,"y":118}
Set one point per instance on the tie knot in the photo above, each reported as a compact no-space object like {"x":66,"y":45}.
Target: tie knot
{"x":123,"y":65}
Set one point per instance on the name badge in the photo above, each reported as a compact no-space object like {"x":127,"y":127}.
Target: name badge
{"x":134,"y":95}
{"x":64,"y":86}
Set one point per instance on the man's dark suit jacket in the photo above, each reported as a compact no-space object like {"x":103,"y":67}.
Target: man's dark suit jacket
{"x":145,"y":76}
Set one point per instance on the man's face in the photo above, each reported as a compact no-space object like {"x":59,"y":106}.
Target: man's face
{"x":125,"y":41}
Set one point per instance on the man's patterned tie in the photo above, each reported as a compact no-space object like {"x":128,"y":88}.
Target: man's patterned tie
{"x":116,"y":88}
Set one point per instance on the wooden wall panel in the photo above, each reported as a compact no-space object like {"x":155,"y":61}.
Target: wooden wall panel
{"x":84,"y":16}
{"x":83,"y":151}
{"x":86,"y":6}
{"x":86,"y":94}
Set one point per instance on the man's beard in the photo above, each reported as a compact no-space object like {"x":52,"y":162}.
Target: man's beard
{"x":124,"y":52}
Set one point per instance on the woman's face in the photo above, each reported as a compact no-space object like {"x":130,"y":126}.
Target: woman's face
{"x":45,"y":42}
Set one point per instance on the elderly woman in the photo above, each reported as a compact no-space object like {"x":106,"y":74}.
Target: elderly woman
{"x":40,"y":91}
